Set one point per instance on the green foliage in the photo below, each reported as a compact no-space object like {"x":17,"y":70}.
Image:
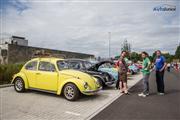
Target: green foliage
{"x":117,"y":57}
{"x":169,"y":58}
{"x":135,"y":57}
{"x":177,"y":53}
{"x":7,"y":71}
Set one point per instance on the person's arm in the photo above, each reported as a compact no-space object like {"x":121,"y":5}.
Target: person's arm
{"x":165,"y":64}
{"x":163,"y":67}
{"x":147,"y":67}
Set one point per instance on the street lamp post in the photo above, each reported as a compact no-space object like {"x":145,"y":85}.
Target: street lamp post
{"x":109,"y":33}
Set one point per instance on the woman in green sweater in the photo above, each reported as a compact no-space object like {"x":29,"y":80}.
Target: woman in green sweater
{"x":146,"y":73}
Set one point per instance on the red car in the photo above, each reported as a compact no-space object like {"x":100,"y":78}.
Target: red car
{"x":139,"y":66}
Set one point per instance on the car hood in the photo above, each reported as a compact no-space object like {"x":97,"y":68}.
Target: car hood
{"x":95,"y":67}
{"x":132,"y":67}
{"x":79,"y":75}
{"x":111,"y":71}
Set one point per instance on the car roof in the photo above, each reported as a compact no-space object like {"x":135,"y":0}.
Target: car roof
{"x":76,"y":59}
{"x":47,"y":59}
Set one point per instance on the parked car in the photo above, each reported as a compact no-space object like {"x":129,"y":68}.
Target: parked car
{"x":107,"y":66}
{"x":105,"y":79}
{"x":51,"y":75}
{"x":133,"y":69}
{"x":139,"y":66}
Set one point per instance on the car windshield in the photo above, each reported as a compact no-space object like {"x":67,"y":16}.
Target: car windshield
{"x":106,"y":65}
{"x":62,"y":65}
{"x":87,"y":64}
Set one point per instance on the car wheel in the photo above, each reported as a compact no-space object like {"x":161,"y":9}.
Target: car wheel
{"x":71,"y":92}
{"x":132,"y":72}
{"x":19,"y":85}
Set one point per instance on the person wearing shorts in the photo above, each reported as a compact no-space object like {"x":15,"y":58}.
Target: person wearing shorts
{"x":122,"y":71}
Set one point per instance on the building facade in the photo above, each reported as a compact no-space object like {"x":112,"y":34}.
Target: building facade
{"x":18,"y":51}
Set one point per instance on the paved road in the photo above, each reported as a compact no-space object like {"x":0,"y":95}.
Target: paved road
{"x":152,"y":107}
{"x":34,"y":105}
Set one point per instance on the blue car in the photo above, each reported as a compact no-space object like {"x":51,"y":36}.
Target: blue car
{"x":133,"y":69}
{"x":111,"y":71}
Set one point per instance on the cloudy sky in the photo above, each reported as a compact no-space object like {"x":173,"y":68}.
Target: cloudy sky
{"x":83,"y":26}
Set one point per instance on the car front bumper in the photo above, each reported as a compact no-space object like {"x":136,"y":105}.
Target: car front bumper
{"x":91,"y":92}
{"x":110,"y":83}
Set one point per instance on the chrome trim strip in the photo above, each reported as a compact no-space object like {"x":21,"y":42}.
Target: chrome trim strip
{"x":42,"y":90}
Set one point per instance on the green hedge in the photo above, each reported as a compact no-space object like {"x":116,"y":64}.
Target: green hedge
{"x":7,"y":71}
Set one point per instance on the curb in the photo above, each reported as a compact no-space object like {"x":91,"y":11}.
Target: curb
{"x":6,"y":85}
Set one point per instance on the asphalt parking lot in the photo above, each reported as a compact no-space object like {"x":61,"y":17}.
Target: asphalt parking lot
{"x":153,"y":107}
{"x":39,"y":105}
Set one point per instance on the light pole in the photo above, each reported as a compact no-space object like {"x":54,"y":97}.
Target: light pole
{"x":109,"y":33}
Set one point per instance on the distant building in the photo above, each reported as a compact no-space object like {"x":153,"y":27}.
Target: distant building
{"x":16,"y":50}
{"x":15,"y":40}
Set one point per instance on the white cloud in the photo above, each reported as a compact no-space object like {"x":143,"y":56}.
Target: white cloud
{"x":84,"y":26}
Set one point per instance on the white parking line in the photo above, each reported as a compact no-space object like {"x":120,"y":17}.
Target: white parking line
{"x":72,"y":113}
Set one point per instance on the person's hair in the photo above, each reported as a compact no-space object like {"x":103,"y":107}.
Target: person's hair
{"x":123,"y":51}
{"x":145,"y":53}
{"x":158,"y":51}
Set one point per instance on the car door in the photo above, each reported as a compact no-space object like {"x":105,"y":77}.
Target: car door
{"x":47,"y":76}
{"x":30,"y":72}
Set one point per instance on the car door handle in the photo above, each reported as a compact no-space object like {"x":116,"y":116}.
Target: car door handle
{"x":38,"y":73}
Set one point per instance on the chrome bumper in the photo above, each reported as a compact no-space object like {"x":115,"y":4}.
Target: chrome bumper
{"x":110,"y":83}
{"x":92,"y":91}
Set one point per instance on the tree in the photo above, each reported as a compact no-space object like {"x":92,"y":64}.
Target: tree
{"x":177,"y":53}
{"x":135,"y":56}
{"x":169,"y":58}
{"x":126,"y":46}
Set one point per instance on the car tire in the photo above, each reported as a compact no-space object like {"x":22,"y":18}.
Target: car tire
{"x":19,"y":85}
{"x":132,"y":72}
{"x":71,"y":92}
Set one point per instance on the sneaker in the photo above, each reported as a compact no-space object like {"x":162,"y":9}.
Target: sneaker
{"x":121,"y":91}
{"x":127,"y":93}
{"x":142,"y":95}
{"x":161,"y":94}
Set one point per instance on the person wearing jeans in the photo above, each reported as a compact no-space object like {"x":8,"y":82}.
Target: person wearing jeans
{"x":146,"y":73}
{"x":160,"y":65}
{"x":160,"y":81}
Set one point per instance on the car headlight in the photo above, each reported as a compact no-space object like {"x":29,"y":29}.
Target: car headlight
{"x":86,"y":85}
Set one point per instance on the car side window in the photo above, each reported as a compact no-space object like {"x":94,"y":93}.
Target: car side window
{"x":31,"y":65}
{"x":74,"y":65}
{"x":46,"y":66}
{"x":106,"y":65}
{"x":87,"y":64}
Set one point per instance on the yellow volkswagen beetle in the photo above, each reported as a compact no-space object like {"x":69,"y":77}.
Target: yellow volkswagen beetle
{"x":52,"y":75}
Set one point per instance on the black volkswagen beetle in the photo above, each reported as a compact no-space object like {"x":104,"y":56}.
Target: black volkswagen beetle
{"x":105,"y":79}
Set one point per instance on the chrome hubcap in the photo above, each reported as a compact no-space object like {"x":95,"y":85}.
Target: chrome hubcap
{"x":19,"y":85}
{"x":69,"y":92}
